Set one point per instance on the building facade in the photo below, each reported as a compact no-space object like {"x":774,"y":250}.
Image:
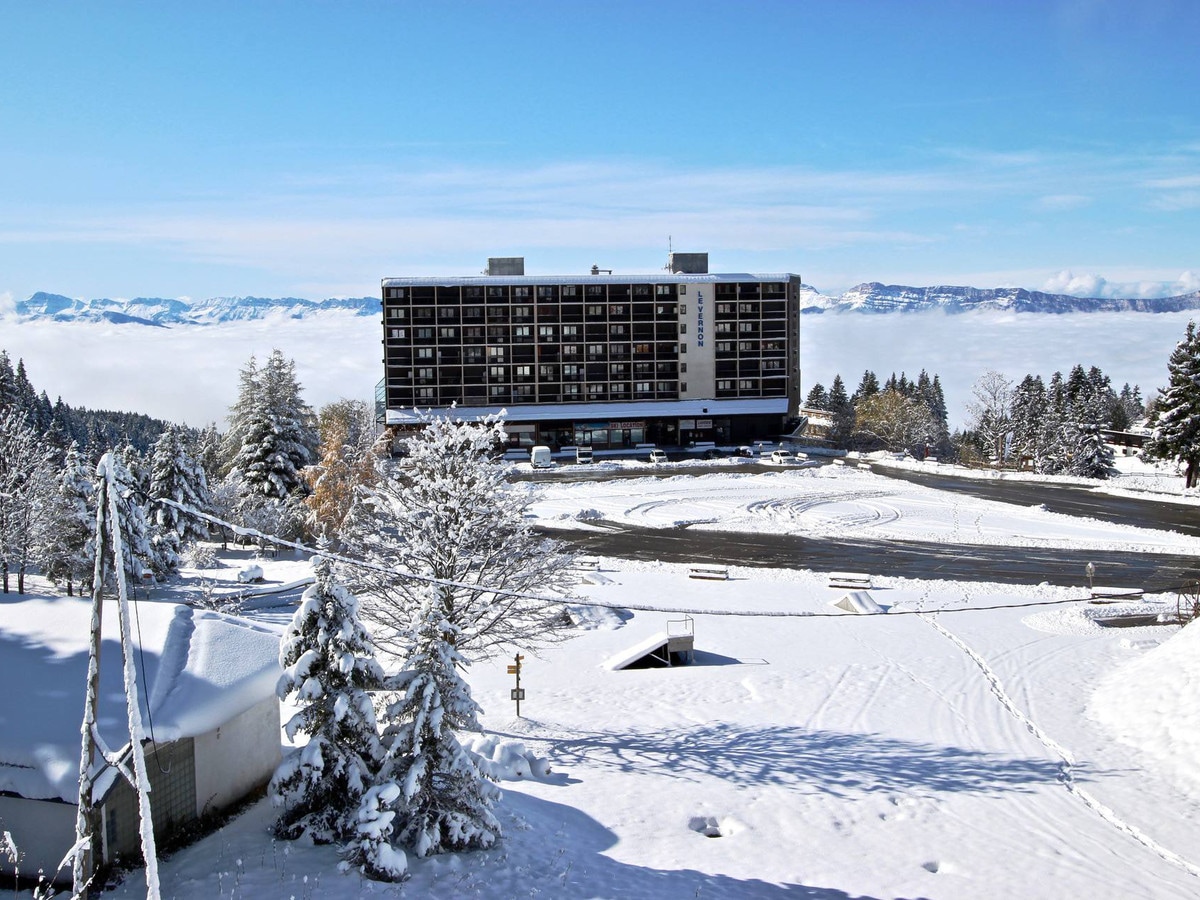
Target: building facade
{"x":597,"y":360}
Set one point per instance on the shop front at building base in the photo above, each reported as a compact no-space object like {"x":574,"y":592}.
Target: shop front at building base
{"x":615,"y":426}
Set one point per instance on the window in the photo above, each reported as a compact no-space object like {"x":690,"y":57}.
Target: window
{"x":522,"y":312}
{"x":745,"y":385}
{"x":395,"y":293}
{"x":618,"y":330}
{"x":683,"y":385}
{"x":520,"y":292}
{"x":683,"y":327}
{"x":596,"y":310}
{"x":618,"y":309}
{"x":397,"y":332}
{"x":595,"y":349}
{"x":724,"y":384}
{"x":746,"y":346}
{"x":544,"y":291}
{"x":662,"y":289}
{"x":425,"y":393}
{"x":522,"y":331}
{"x":570,"y":331}
{"x":682,"y":367}
{"x":523,"y":371}
{"x":570,"y":390}
{"x":496,"y":353}
{"x":643,"y":348}
{"x":570,"y":349}
{"x":425,"y":373}
{"x":746,"y":307}
{"x":395,"y":313}
{"x":568,"y":290}
{"x":497,"y":373}
{"x":424,"y":353}
{"x":448,"y":332}
{"x":683,"y":309}
{"x":546,"y":331}
{"x":683,"y":348}
{"x":424,"y":333}
{"x":724,"y":307}
{"x":618,"y":369}
{"x":595,"y":290}
{"x":683,"y":289}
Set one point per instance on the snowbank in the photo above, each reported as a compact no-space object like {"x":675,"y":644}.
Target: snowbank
{"x":1153,"y":703}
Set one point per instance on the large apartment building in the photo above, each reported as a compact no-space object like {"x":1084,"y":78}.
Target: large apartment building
{"x":673,"y":358}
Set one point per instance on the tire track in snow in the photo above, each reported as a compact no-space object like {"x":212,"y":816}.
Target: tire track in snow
{"x":1066,"y":775}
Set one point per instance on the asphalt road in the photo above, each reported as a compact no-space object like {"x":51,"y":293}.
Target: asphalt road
{"x":1154,"y":573}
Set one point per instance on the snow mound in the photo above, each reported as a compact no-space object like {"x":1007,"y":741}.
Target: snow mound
{"x":859,"y":602}
{"x":506,"y":760}
{"x":1153,"y":703}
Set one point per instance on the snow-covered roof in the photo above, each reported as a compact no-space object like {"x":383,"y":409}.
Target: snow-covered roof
{"x":598,"y":411}
{"x":201,"y":669}
{"x":656,"y":278}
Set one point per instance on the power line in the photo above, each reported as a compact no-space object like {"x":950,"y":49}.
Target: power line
{"x":577,"y":601}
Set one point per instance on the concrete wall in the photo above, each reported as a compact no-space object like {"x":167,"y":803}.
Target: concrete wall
{"x":237,"y":757}
{"x":43,"y":831}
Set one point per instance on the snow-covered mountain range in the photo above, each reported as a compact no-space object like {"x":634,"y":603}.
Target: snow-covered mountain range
{"x":163,"y":312}
{"x":872,"y":297}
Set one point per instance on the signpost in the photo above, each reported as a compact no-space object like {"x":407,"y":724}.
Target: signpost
{"x":517,"y":693}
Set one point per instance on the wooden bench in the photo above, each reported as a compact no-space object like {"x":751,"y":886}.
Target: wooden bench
{"x":587,"y":563}
{"x":1113,"y":594}
{"x":714,"y":573}
{"x":855,"y":580}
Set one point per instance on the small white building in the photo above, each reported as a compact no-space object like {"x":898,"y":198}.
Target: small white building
{"x":207,"y":688}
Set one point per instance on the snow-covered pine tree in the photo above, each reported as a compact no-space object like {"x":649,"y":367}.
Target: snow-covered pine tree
{"x":445,"y":799}
{"x":135,"y":530}
{"x":27,"y":491}
{"x":818,"y":397}
{"x":329,"y":668}
{"x":842,"y":430}
{"x":450,"y":514}
{"x":64,"y":552}
{"x":1176,"y":429}
{"x":1028,"y":414}
{"x":271,"y":437}
{"x":176,"y":475}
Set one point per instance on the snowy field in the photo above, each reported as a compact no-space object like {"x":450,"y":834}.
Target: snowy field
{"x":937,"y":750}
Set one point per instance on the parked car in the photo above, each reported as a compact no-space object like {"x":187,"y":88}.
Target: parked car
{"x":782,"y":457}
{"x":658,"y":456}
{"x":583,"y":454}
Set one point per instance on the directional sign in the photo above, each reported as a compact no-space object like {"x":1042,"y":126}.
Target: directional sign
{"x":513,"y":670}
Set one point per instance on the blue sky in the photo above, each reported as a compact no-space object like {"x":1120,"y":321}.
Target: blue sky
{"x":309,"y":149}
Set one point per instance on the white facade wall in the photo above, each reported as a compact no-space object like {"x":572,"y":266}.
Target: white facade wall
{"x":239,"y":756}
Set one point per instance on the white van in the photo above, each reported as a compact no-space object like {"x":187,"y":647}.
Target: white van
{"x":583,"y":454}
{"x":539,"y":457}
{"x":657,"y":456}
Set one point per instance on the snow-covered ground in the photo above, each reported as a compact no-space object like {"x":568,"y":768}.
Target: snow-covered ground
{"x":937,"y":750}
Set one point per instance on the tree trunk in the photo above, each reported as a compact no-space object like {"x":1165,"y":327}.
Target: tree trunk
{"x":1191,"y":473}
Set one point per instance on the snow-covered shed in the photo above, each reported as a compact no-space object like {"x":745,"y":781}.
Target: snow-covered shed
{"x":207,"y":688}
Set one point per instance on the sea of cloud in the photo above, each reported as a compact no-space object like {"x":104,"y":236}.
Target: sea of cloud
{"x":190,"y":374}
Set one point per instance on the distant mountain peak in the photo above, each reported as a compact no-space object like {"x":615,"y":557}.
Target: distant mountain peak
{"x":157,"y":311}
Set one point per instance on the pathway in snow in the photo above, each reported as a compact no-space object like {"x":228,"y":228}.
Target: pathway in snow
{"x":1066,"y":767}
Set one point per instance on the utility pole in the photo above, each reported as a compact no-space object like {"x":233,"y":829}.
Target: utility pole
{"x":86,"y":824}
